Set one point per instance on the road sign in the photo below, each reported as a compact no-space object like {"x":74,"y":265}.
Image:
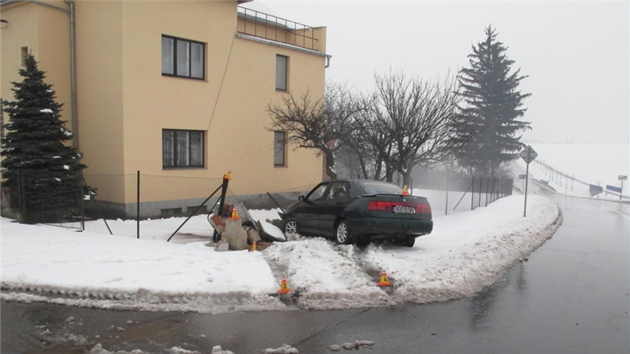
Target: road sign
{"x":528,"y":154}
{"x":613,"y":188}
{"x":622,"y":178}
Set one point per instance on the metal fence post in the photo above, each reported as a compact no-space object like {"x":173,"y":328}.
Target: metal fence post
{"x":224,"y":186}
{"x":487,"y":189}
{"x":472,"y":193}
{"x":480,"y":191}
{"x":447,"y":187}
{"x":138,"y":205}
{"x":21,"y":197}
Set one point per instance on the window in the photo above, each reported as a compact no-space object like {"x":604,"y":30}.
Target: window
{"x":318,"y":193}
{"x":182,"y":58}
{"x":278,"y":148}
{"x":339,"y":190}
{"x":182,"y":148}
{"x":281,"y":72}
{"x":24,"y":54}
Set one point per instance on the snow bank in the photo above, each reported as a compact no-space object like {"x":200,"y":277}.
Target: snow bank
{"x":468,"y":251}
{"x":465,"y":252}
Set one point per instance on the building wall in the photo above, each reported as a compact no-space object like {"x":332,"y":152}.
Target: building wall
{"x":229,"y":104}
{"x":45,"y":31}
{"x":254,"y":81}
{"x":100,"y":95}
{"x":124,"y":102}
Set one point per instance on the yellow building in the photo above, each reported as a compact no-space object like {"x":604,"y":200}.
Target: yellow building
{"x":176,"y":88}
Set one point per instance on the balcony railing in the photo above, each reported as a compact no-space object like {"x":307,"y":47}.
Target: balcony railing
{"x":259,"y":24}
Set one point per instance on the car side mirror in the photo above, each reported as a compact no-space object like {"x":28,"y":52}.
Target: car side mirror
{"x":301,"y":198}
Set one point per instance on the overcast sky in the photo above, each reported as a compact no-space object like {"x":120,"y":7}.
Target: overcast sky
{"x":575,"y":54}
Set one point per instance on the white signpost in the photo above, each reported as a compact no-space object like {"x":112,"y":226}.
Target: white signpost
{"x":622,"y":178}
{"x":528,"y":154}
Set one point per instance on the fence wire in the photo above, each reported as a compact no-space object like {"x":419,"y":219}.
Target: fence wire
{"x":155,"y":206}
{"x":165,"y":207}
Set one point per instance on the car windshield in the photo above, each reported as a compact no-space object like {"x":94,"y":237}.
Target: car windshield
{"x":376,"y":187}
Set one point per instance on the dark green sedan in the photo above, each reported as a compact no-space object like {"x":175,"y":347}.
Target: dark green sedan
{"x":359,"y":211}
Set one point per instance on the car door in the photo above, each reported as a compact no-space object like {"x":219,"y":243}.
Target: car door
{"x":308,"y":214}
{"x":331,"y":207}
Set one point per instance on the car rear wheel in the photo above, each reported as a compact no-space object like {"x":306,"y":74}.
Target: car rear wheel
{"x":290,"y":229}
{"x":342,"y":233}
{"x":408,"y":241}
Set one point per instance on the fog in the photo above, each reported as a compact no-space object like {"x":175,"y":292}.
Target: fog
{"x":575,"y":54}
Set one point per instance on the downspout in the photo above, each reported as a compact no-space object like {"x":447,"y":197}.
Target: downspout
{"x":73,"y":78}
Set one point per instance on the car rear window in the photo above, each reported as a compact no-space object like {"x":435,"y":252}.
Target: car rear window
{"x":376,"y":187}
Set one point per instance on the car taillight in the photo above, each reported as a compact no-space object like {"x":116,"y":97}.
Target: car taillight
{"x":380,"y":206}
{"x":423,"y":209}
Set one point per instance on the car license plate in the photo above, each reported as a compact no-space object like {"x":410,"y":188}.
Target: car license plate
{"x":401,"y":209}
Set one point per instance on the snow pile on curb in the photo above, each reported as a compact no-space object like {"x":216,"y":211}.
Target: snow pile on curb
{"x":469,"y":252}
{"x":466,"y":252}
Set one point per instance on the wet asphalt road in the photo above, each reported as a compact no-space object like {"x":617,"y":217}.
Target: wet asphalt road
{"x":571,"y":296}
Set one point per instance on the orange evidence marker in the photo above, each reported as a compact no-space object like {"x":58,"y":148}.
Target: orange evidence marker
{"x":384,"y":281}
{"x":284,"y":287}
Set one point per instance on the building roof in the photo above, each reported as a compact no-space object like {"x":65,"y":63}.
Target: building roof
{"x":7,"y":2}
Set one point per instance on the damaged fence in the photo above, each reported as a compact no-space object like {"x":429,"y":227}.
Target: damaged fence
{"x":178,"y":207}
{"x":173,"y":204}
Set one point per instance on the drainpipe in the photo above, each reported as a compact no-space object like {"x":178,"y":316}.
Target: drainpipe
{"x":73,"y":78}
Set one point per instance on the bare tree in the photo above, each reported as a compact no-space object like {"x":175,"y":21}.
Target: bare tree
{"x":376,"y":143}
{"x":364,"y":146}
{"x":317,"y":122}
{"x":413,"y":116}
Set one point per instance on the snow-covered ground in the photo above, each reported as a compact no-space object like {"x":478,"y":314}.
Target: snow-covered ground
{"x":466,"y":252}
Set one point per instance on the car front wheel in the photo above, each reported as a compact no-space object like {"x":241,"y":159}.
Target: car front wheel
{"x":342,"y":233}
{"x":290,"y":229}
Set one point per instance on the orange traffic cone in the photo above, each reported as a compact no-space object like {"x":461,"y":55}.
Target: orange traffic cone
{"x":284,"y":287}
{"x":405,"y":190}
{"x":384,"y":281}
{"x":253,"y":247}
{"x":235,"y":214}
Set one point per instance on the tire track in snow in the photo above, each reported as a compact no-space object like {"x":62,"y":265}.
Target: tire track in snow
{"x":324,"y":275}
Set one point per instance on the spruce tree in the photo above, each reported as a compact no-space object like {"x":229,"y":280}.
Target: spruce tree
{"x":488,"y":124}
{"x":43,"y":172}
